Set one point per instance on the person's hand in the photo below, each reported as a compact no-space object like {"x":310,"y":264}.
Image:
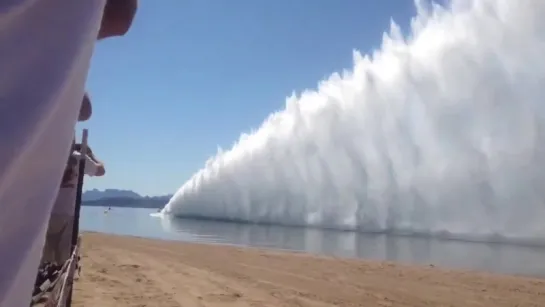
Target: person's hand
{"x":117,"y":18}
{"x":101,"y":170}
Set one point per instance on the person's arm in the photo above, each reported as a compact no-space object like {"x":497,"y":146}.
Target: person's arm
{"x":41,"y":97}
{"x":92,"y":167}
{"x":77,"y":149}
{"x":100,"y":169}
{"x":92,"y":156}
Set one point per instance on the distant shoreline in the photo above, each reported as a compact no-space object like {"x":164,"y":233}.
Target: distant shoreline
{"x":119,"y":206}
{"x":122,"y":199}
{"x":127,"y":202}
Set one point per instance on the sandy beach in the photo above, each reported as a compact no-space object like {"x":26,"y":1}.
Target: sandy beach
{"x":127,"y":271}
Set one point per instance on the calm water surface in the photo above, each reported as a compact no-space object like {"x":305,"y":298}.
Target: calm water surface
{"x":504,"y":258}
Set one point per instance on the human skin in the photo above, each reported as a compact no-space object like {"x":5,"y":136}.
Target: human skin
{"x":117,"y":18}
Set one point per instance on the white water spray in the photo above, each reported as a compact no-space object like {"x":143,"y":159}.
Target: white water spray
{"x":439,"y":133}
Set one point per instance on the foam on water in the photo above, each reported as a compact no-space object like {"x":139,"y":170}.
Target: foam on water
{"x":441,"y":132}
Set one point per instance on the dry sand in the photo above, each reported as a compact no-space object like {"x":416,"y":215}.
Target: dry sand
{"x":127,"y":271}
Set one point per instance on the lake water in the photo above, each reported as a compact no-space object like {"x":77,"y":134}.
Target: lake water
{"x":504,"y":258}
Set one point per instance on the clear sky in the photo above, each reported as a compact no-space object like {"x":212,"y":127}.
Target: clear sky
{"x":193,"y":75}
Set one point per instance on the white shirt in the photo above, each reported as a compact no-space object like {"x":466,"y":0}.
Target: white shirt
{"x":66,"y":198}
{"x":45,"y":52}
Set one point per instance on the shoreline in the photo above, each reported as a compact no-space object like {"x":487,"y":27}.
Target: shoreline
{"x":133,"y":271}
{"x":540,"y":274}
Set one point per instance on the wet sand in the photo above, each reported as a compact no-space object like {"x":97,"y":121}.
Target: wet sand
{"x":127,"y":271}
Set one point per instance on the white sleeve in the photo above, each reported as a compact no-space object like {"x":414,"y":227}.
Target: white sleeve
{"x":91,"y":167}
{"x":46,"y":47}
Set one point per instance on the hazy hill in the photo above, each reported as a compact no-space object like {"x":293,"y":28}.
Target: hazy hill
{"x":97,"y":194}
{"x":122,"y":198}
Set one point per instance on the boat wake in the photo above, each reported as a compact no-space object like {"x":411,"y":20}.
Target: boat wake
{"x":437,"y":134}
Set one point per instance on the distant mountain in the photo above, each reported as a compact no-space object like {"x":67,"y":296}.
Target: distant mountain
{"x":122,"y":198}
{"x":129,"y":202}
{"x":97,"y":194}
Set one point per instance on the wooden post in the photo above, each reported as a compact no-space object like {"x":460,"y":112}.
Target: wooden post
{"x":75,"y":228}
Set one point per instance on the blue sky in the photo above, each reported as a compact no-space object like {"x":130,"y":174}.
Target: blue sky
{"x":193,"y":75}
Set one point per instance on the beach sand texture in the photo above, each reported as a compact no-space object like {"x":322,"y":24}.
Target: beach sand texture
{"x":127,"y":271}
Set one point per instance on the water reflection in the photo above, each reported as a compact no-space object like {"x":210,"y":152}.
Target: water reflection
{"x":511,"y":259}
